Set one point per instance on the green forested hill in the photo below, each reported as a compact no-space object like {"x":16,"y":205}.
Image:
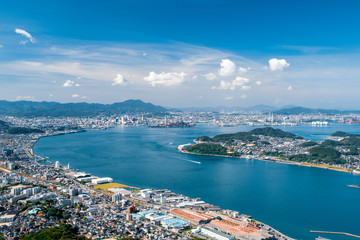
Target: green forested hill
{"x":55,"y":109}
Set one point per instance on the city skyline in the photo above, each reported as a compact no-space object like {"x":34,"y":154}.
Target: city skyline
{"x":181,"y":54}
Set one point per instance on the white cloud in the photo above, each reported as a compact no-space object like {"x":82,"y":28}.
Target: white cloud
{"x":119,"y":80}
{"x":210,"y":76}
{"x":258,"y":83}
{"x":194,"y":77}
{"x":166,"y":79}
{"x":78,"y":96}
{"x":26,"y":98}
{"x":51,"y":95}
{"x":70,"y":83}
{"x":243,"y":96}
{"x":1,"y":46}
{"x":242,"y":70}
{"x":25,"y":34}
{"x":278,"y":64}
{"x":227,"y":67}
{"x":238,"y":82}
{"x":290,"y":88}
{"x":229,"y":98}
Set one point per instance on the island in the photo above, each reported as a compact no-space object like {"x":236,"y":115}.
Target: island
{"x":340,"y":152}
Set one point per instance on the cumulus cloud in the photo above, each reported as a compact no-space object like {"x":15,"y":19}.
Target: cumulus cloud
{"x":210,"y":76}
{"x":166,"y":79}
{"x":242,"y":70}
{"x":243,"y":96}
{"x":258,"y":83}
{"x":278,"y":64}
{"x":76,"y":95}
{"x":25,"y":34}
{"x":238,"y":82}
{"x":227,"y":67}
{"x":229,"y":98}
{"x":119,"y":80}
{"x":70,"y":83}
{"x":290,"y":88}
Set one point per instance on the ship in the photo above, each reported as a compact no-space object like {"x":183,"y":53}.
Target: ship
{"x":353,"y":186}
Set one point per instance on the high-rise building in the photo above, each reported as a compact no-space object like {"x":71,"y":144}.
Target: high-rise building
{"x":116,"y":197}
{"x":57,"y":164}
{"x":130,"y":209}
{"x":129,"y":217}
{"x":15,"y":191}
{"x":73,"y":192}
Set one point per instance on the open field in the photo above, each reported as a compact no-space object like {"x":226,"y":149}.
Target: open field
{"x":106,"y":186}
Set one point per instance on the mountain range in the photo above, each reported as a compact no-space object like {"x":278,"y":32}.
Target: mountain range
{"x":55,"y":109}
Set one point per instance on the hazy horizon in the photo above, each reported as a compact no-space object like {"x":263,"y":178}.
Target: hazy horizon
{"x":182,"y":53}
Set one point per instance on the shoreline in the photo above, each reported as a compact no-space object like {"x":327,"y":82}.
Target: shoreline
{"x":268,"y":226}
{"x":275,"y":160}
{"x":31,"y":152}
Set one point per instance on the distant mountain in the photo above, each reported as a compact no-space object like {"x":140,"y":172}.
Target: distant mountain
{"x":300,"y":110}
{"x":256,"y":108}
{"x":55,"y":109}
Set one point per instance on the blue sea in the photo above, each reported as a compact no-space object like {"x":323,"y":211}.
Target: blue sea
{"x":291,"y":199}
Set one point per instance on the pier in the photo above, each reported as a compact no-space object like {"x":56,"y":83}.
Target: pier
{"x":337,"y":233}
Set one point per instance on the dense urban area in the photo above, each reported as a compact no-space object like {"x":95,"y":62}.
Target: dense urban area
{"x":41,"y":198}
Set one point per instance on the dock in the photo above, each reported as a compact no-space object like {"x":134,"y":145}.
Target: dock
{"x":337,"y":233}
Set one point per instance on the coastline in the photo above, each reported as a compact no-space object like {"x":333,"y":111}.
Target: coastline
{"x":32,"y":144}
{"x":276,"y":160}
{"x":102,"y":190}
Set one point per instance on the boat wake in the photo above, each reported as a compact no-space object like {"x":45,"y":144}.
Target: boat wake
{"x":192,"y":161}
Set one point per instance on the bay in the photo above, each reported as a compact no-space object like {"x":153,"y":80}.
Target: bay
{"x":292,"y":199}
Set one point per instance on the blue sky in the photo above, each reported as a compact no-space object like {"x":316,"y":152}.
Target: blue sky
{"x":182,"y":53}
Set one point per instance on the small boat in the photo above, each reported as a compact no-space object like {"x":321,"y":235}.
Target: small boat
{"x":353,"y":186}
{"x":321,"y":238}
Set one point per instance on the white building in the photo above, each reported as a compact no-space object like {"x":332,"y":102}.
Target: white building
{"x":15,"y":191}
{"x":214,"y":234}
{"x":116,"y":197}
{"x":57,"y":164}
{"x":102,"y":180}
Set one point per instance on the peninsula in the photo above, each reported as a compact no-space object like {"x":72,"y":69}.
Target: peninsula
{"x":340,"y":152}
